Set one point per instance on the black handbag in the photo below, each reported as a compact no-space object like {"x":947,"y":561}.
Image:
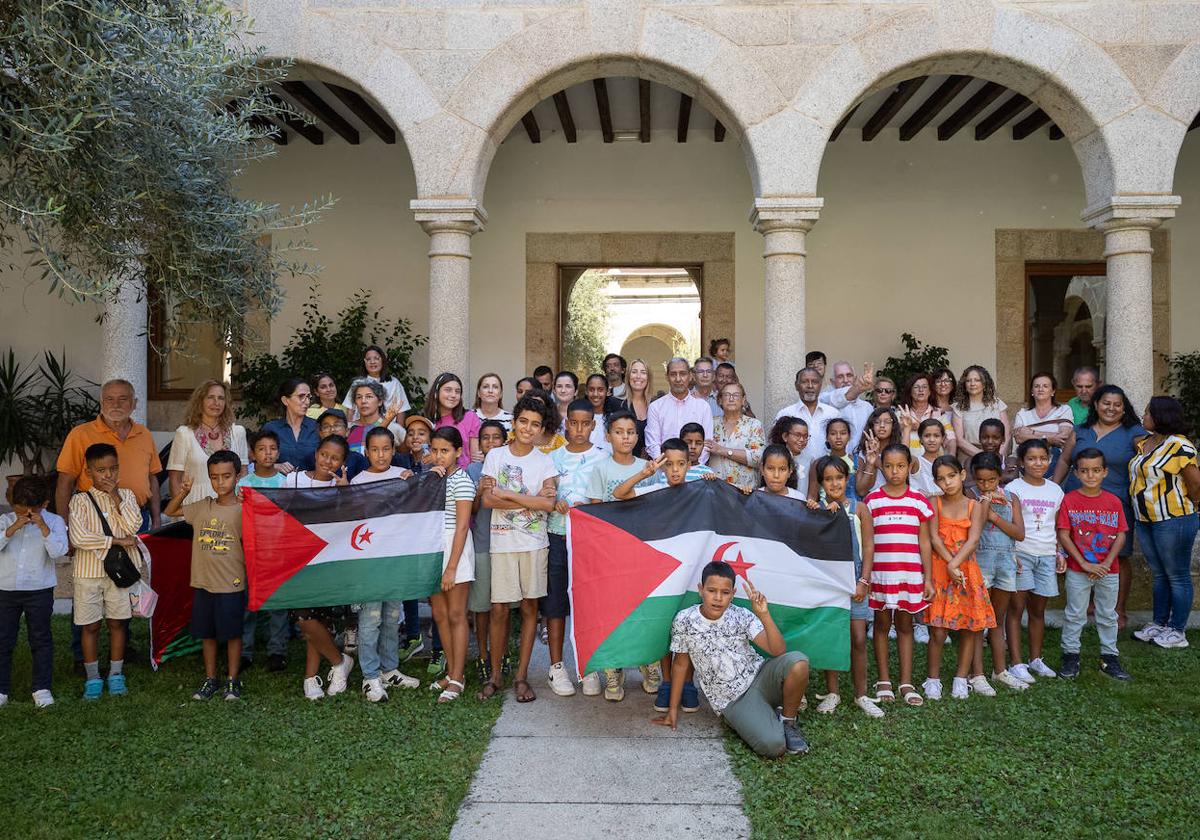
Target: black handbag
{"x":117,"y":565}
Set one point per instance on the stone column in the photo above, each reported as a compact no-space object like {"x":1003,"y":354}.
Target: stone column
{"x":123,"y":328}
{"x":450,"y":224}
{"x":784,"y":224}
{"x":1126,"y":222}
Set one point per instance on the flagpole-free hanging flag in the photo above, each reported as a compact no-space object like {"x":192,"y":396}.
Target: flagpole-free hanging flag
{"x":171,"y":577}
{"x":325,"y":546}
{"x":635,"y":564}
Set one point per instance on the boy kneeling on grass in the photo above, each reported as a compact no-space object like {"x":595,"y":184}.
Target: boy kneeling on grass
{"x":714,"y":636}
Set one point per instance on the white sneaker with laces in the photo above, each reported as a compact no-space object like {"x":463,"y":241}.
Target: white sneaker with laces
{"x":591,"y":684}
{"x":869,"y":706}
{"x":1007,"y":679}
{"x":829,"y":703}
{"x":396,"y":679}
{"x":43,"y":698}
{"x":981,"y":686}
{"x":1021,"y":672}
{"x":313,"y":688}
{"x":614,"y":684}
{"x":1149,"y":632}
{"x":652,"y":677}
{"x":959,"y":689}
{"x":1040,"y":668}
{"x":1171,"y":639}
{"x":373,"y":690}
{"x":932,"y":689}
{"x":338,"y":675}
{"x":559,"y":681}
{"x":921,"y":634}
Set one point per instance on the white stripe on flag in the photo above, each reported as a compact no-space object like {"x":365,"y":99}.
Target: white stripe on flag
{"x":382,"y":536}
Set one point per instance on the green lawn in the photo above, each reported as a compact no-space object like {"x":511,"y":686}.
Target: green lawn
{"x":157,"y":763}
{"x":1067,"y":759}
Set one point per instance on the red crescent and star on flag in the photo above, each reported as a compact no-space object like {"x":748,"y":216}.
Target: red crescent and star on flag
{"x":362,"y":534}
{"x":739,"y":566}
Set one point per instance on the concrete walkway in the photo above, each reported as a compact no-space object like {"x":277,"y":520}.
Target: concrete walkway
{"x":582,"y":767}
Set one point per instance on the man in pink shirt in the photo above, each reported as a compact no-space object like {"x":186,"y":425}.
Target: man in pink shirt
{"x":669,"y":413}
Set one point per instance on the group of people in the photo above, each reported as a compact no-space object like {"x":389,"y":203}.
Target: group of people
{"x":962,"y":517}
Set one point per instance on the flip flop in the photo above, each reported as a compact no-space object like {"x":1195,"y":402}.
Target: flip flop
{"x":526,"y":696}
{"x":489,"y":690}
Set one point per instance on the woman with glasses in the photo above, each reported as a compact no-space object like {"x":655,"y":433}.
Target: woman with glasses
{"x":917,"y":405}
{"x":737,"y":442}
{"x":297,"y":432}
{"x":944,"y":385}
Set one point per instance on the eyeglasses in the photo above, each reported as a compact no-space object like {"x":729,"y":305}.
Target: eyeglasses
{"x":885,"y":390}
{"x":303,"y":397}
{"x":328,"y":427}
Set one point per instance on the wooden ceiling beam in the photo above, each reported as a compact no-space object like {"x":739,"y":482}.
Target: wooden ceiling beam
{"x":970,"y":109}
{"x":933,"y":106}
{"x":841,"y":126}
{"x":531,"y":127}
{"x":606,"y":127}
{"x":311,"y":101}
{"x":685,"y":116}
{"x":564,"y":115}
{"x":1030,"y":124}
{"x":284,"y":117}
{"x":996,"y":120}
{"x":644,"y":110}
{"x":890,"y":107}
{"x":362,"y":109}
{"x":719,"y":131}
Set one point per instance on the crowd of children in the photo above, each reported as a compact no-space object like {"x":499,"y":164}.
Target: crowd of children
{"x":966,"y":542}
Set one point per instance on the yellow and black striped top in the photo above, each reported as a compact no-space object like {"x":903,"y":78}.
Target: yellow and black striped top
{"x":1156,"y":485}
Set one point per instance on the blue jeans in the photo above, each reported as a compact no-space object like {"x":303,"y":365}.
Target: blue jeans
{"x":1082,"y":588}
{"x":277,"y":638}
{"x":379,"y":637}
{"x":36,"y":605}
{"x":1168,"y":549}
{"x":412,"y":620}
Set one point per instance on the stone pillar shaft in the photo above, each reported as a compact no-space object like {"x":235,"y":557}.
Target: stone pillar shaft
{"x":123,"y":326}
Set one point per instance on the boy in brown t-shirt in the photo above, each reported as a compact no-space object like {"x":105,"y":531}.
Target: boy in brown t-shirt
{"x":218,"y":570}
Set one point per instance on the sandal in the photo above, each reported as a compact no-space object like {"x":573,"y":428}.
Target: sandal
{"x":441,"y":685}
{"x":912,"y":697}
{"x":884,"y":695}
{"x":490,"y":689}
{"x":526,"y":696}
{"x":450,"y":694}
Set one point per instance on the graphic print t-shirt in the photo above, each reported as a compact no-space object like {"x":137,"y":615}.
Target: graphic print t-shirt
{"x":1094,"y":522}
{"x":574,"y":473}
{"x":218,"y":564}
{"x":1039,"y":507}
{"x":720,"y":650}
{"x":518,"y":529}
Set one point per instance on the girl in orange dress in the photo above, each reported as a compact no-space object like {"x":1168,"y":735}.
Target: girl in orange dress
{"x":960,"y":599}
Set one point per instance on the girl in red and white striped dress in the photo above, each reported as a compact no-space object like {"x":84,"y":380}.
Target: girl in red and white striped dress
{"x":901,"y":580}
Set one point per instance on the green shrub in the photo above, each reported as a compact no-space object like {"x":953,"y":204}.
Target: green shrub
{"x":334,"y":345}
{"x":1183,"y":380}
{"x":917,"y":358}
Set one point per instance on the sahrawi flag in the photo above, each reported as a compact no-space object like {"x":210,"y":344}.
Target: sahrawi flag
{"x":635,"y":564}
{"x":323,"y":546}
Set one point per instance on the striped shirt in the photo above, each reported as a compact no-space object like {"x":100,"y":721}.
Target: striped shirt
{"x":1156,"y":485}
{"x":898,"y":576}
{"x":87,"y":532}
{"x":459,"y":488}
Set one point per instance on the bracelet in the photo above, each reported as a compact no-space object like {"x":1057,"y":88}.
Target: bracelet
{"x":864,"y":581}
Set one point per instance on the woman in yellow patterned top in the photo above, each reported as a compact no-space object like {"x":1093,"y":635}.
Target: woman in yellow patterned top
{"x":1164,"y":486}
{"x":737,"y":442}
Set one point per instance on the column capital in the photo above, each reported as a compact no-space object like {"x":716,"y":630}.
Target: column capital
{"x":787,"y":213}
{"x":1131,"y":212}
{"x":461,"y":215}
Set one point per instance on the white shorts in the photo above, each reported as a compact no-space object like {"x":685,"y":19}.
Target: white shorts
{"x":99,"y":598}
{"x":465,"y":573}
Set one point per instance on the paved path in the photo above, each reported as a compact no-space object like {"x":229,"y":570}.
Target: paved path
{"x":582,"y":767}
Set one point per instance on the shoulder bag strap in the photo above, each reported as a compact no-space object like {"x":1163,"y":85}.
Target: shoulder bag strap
{"x":103,"y":522}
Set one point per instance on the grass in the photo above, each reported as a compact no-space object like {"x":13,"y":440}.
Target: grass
{"x":273,"y":764}
{"x":1081,"y":758}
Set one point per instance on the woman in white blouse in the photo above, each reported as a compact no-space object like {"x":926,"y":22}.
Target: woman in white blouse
{"x":1045,"y":418}
{"x":375,"y":369}
{"x":208,"y":427}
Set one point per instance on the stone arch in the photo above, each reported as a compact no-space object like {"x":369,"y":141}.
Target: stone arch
{"x":1070,"y":77}
{"x":1176,"y":99}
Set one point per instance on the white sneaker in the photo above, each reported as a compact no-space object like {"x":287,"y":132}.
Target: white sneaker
{"x":1171,"y":639}
{"x":350,"y":639}
{"x":869,"y":706}
{"x":591,"y":684}
{"x":1040,"y":668}
{"x":932,"y":689}
{"x":43,"y":698}
{"x":829,"y":703}
{"x":373,"y":690}
{"x":338,"y":675}
{"x":981,"y":686}
{"x":959,"y":689}
{"x":921,"y":634}
{"x":1149,"y":632}
{"x":652,"y":677}
{"x":3,"y":699}
{"x":559,"y":681}
{"x":892,"y":632}
{"x":1007,"y":679}
{"x":313,"y":688}
{"x":1021,"y":672}
{"x":614,"y":684}
{"x":396,"y":679}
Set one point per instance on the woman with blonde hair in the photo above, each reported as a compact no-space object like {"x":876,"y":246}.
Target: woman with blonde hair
{"x":637,"y":400}
{"x":208,"y":427}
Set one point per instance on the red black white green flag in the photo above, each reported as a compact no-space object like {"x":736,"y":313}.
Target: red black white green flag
{"x":635,"y":564}
{"x":171,"y":577}
{"x":324,"y":546}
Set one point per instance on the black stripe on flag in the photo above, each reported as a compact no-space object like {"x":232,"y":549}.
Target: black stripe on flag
{"x":716,"y":505}
{"x":311,"y":505}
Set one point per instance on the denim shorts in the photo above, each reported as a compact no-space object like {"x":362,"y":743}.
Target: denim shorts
{"x":999,"y":568}
{"x":1037,"y":573}
{"x":859,"y":611}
